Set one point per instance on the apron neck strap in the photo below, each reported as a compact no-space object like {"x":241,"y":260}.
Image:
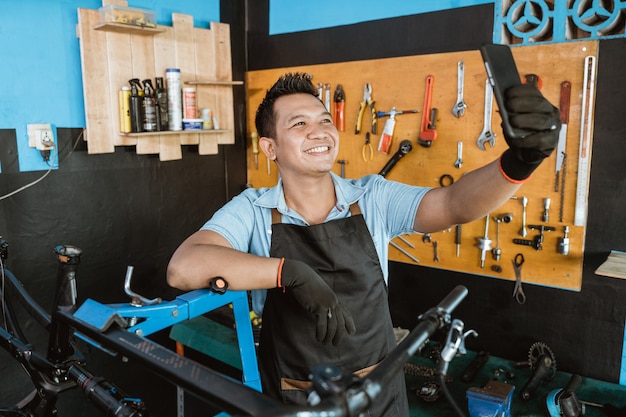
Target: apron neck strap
{"x":277,"y":217}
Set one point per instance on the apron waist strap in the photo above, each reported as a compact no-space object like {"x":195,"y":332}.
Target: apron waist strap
{"x":298,"y":384}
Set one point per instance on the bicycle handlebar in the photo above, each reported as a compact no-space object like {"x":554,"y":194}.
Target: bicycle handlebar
{"x":238,"y":399}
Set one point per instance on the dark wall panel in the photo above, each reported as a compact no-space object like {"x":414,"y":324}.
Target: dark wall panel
{"x":445,"y":31}
{"x":586,"y":329}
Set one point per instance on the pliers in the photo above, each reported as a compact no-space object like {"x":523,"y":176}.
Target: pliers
{"x":339,"y":99}
{"x":367,"y":101}
{"x":367,"y":151}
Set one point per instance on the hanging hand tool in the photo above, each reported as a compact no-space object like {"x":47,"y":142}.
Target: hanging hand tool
{"x":484,"y":243}
{"x":487,"y":135}
{"x":545,"y":217}
{"x":459,"y":108}
{"x":459,"y":155}
{"x":524,"y":201}
{"x":563,"y":242}
{"x":320,"y":91}
{"x":537,"y":241}
{"x":405,"y":148}
{"x":327,"y":96}
{"x":457,"y":239}
{"x":518,"y":291}
{"x":367,"y":151}
{"x":395,"y":245}
{"x":428,"y":130}
{"x":387,"y":136}
{"x":503,"y":218}
{"x":343,"y":163}
{"x":582,"y":185}
{"x":340,"y":101}
{"x":255,"y":149}
{"x":566,"y":92}
{"x":367,"y":101}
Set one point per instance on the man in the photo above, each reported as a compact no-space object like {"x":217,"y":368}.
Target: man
{"x":318,"y":243}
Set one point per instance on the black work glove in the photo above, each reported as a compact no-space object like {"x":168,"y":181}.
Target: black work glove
{"x":312,"y":292}
{"x":530,"y":111}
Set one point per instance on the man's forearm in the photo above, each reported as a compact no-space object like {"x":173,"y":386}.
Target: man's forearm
{"x":194,"y":264}
{"x":480,"y":192}
{"x":473,"y":196}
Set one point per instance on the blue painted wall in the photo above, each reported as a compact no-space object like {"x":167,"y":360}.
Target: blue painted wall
{"x":293,"y":16}
{"x":40,"y":69}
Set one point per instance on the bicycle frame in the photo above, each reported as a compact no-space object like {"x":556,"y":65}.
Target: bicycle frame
{"x":121,"y":329}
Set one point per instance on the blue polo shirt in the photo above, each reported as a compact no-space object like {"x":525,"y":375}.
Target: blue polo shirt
{"x":388,"y":208}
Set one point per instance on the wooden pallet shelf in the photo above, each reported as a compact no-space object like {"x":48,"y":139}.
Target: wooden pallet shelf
{"x":112,"y":54}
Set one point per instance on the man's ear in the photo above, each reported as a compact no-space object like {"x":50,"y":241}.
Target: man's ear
{"x":267,"y":146}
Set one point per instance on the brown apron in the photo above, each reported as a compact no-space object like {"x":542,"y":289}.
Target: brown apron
{"x":343,"y":254}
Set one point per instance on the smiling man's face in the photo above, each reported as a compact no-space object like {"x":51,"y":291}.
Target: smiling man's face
{"x":306,"y":140}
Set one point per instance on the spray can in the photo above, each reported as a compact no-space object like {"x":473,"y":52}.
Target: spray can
{"x":136,"y":124}
{"x":190,"y":108}
{"x":149,"y":107}
{"x":174,"y":101}
{"x":160,"y":97}
{"x":124,"y":104}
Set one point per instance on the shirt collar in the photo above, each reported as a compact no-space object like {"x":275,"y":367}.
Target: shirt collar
{"x":347,"y":192}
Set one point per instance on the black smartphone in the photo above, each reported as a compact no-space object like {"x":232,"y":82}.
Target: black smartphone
{"x":503,"y":74}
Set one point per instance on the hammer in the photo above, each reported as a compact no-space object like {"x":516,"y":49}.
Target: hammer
{"x":343,"y":163}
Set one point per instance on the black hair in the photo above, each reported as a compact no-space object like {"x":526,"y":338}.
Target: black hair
{"x":290,"y":83}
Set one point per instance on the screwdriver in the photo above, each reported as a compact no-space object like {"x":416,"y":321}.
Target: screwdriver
{"x":457,"y":240}
{"x":255,"y":149}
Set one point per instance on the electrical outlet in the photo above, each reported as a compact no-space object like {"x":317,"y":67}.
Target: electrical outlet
{"x":40,"y":136}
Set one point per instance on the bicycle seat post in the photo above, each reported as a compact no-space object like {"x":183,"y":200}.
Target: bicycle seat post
{"x":59,"y":346}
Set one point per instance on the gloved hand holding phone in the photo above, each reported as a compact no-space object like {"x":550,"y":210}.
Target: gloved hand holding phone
{"x":530,"y":112}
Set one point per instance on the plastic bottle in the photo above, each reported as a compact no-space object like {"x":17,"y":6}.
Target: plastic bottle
{"x":149,"y":107}
{"x":174,"y":101}
{"x":124,"y":103}
{"x":207,"y":121}
{"x":160,"y":96}
{"x":136,"y":124}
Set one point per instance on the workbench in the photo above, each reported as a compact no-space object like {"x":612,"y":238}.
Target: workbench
{"x":590,"y":390}
{"x":213,"y":338}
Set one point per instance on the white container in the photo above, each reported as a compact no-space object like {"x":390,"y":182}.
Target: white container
{"x":192,"y":124}
{"x":174,"y":100}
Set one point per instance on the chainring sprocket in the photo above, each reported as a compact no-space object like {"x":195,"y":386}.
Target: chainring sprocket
{"x":537,"y":350}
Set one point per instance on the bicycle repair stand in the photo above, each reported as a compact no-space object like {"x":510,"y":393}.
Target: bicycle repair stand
{"x":146,"y":316}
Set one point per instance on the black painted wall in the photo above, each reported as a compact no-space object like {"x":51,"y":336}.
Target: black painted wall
{"x":586,"y":329}
{"x":121,"y":209}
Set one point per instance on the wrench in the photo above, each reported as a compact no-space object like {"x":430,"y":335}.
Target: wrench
{"x":459,"y":155}
{"x":487,"y":134}
{"x":459,"y":108}
{"x":428,"y":132}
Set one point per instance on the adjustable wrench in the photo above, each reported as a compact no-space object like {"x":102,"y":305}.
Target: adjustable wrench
{"x":459,"y":108}
{"x":487,"y":134}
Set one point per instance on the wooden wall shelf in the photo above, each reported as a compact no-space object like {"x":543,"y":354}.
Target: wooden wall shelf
{"x":210,"y":82}
{"x":112,"y":54}
{"x":176,"y":132}
{"x":131,"y":29}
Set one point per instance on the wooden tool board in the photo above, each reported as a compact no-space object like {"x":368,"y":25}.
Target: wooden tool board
{"x":400,"y":83}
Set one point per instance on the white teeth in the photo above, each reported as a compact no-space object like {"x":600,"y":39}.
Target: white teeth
{"x":318,"y":149}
